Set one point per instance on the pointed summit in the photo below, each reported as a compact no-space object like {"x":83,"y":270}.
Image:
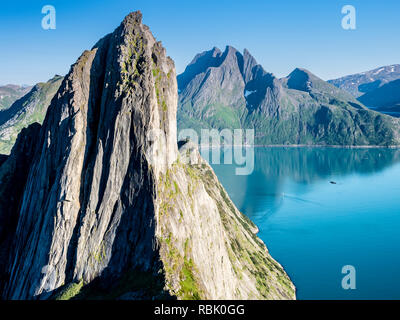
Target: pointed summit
{"x":230,"y":59}
{"x":233,"y":85}
{"x":107,"y":199}
{"x":229,"y":53}
{"x":304,"y":80}
{"x":249,"y":62}
{"x":200,"y":63}
{"x":301,"y":79}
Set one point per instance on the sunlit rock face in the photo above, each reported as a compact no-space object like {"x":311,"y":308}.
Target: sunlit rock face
{"x":111,"y":208}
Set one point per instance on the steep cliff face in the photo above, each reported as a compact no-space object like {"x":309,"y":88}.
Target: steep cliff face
{"x":111,"y":209}
{"x":230,"y":90}
{"x":208,"y":248}
{"x":13,"y":176}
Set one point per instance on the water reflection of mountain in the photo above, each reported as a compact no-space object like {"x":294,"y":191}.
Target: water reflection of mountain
{"x":263,"y":189}
{"x":309,"y":164}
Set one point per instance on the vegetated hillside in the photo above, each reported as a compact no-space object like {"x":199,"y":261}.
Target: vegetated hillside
{"x":385,"y":98}
{"x":230,"y":90}
{"x":30,"y":108}
{"x":10,"y":93}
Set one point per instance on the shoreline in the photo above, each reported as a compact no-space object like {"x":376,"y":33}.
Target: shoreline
{"x":302,"y":146}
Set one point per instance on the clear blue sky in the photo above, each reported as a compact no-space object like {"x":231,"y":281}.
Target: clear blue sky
{"x":281,"y":34}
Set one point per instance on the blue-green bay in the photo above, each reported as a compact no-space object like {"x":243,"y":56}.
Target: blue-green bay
{"x":319,"y":209}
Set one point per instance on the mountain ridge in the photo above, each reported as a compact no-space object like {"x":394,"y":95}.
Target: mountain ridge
{"x":300,"y":109}
{"x":26,"y":110}
{"x":360,"y":83}
{"x":10,"y":93}
{"x":110,"y":209}
{"x":385,"y":98}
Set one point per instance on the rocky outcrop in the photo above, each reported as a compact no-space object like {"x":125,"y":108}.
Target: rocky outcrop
{"x":231,"y":91}
{"x":218,"y":89}
{"x":28,"y":109}
{"x":204,"y":237}
{"x":111,"y":208}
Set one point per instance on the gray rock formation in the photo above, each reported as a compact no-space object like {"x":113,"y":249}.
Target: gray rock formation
{"x":14,"y":172}
{"x":218,"y":88}
{"x":111,"y":208}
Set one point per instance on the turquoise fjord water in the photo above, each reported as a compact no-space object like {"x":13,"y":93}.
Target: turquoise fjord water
{"x":314,"y":228}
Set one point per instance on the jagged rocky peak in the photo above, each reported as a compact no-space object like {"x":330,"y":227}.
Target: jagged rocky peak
{"x":249,"y":62}
{"x":231,"y":55}
{"x":94,"y":166}
{"x":303,"y":80}
{"x":231,"y":61}
{"x":298,"y":109}
{"x":200,"y":63}
{"x":112,"y":209}
{"x":299,"y":79}
{"x":228,"y":82}
{"x":14,"y":170}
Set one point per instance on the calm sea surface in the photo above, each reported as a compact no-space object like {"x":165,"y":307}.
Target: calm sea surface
{"x":314,"y":227}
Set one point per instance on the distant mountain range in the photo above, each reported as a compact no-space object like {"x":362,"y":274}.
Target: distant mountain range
{"x":30,"y":108}
{"x":385,"y":98}
{"x":364,"y":82}
{"x":231,"y":90}
{"x":10,"y":93}
{"x":378,"y":89}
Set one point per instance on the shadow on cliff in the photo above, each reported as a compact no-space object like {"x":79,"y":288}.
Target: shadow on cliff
{"x":133,"y":267}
